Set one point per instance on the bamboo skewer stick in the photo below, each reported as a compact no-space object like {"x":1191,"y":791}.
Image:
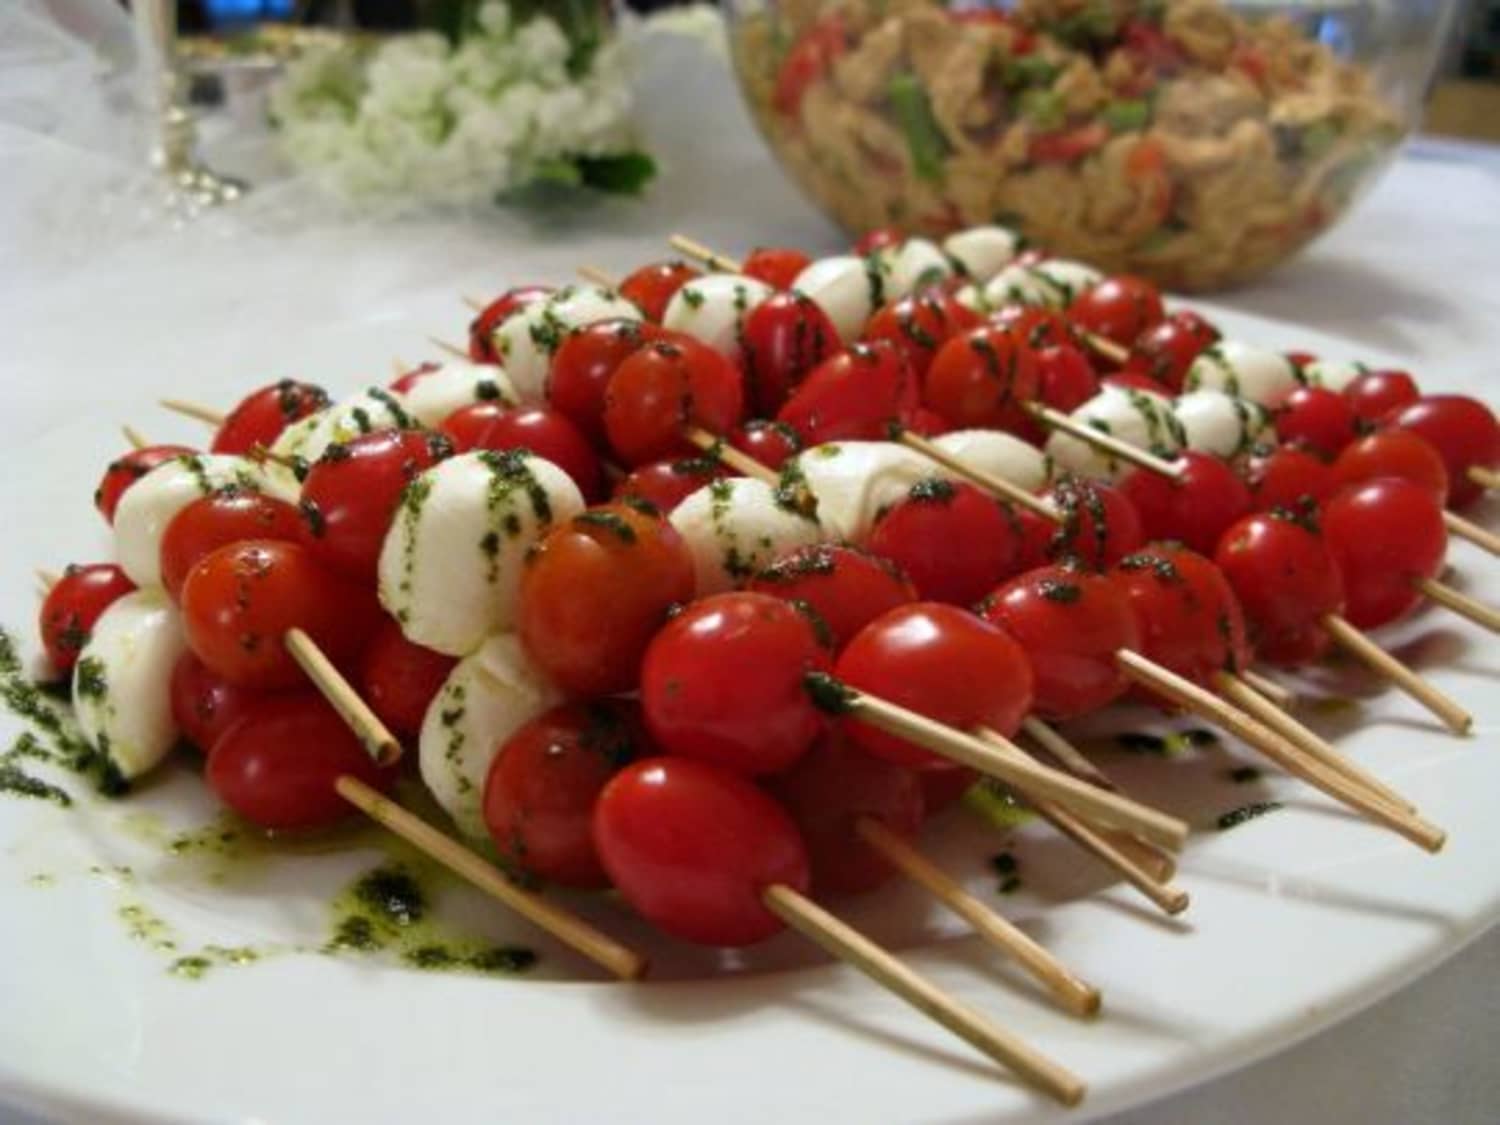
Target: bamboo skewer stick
{"x":47,"y":579}
{"x":136,"y":439}
{"x":1283,"y":697}
{"x":187,"y":409}
{"x":1467,"y":529}
{"x":720,"y":263}
{"x":474,"y":303}
{"x":849,"y":945}
{"x":398,"y":367}
{"x":595,"y":275}
{"x":1460,"y":603}
{"x":1104,"y":347}
{"x":738,"y":460}
{"x":991,"y":483}
{"x":1352,"y":641}
{"x":1076,"y":995}
{"x":451,"y":349}
{"x":1141,"y":458}
{"x":377,"y":740}
{"x":1484,"y":478}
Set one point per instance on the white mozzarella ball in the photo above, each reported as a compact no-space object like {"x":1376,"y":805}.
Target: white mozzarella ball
{"x":1334,"y":374}
{"x":152,"y":502}
{"x":1242,"y":369}
{"x":983,"y":252}
{"x":1022,"y":285}
{"x":527,"y":340}
{"x":453,"y":386}
{"x":372,"y":409}
{"x":450,"y":567}
{"x":855,"y":481}
{"x":997,"y":453}
{"x":488,"y":696}
{"x":972,"y":297}
{"x":1219,"y":423}
{"x":713,"y":309}
{"x":122,"y":684}
{"x":849,"y":289}
{"x":912,"y":264}
{"x":1067,"y":277}
{"x":735,"y":526}
{"x":1139,"y":418}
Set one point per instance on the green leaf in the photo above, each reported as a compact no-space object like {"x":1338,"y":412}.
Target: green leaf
{"x":924,"y":142}
{"x":625,"y":173}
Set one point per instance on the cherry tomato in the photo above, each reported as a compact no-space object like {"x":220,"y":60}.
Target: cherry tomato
{"x":880,"y":238}
{"x":665,"y":386}
{"x":652,"y":287}
{"x":942,"y":662}
{"x":261,"y":416}
{"x":1067,"y":379}
{"x":543,"y":785}
{"x":1037,"y":327}
{"x":1287,"y":581}
{"x":919,"y":324}
{"x":777,"y":266}
{"x":1186,"y":613}
{"x":723,"y":683}
{"x":786,"y":336}
{"x":1460,"y":428}
{"x":466,"y":425}
{"x":352,"y":492}
{"x":76,"y":601}
{"x":1318,"y":419}
{"x":277,"y":765}
{"x":1385,"y":534}
{"x":770,"y":443}
{"x":693,"y":847}
{"x":981,"y":379}
{"x":1130,"y":381}
{"x":855,"y":396}
{"x":1118,"y":308}
{"x":125,"y":471}
{"x":1099,"y":524}
{"x":810,"y":57}
{"x":546,"y":433}
{"x":398,"y":679}
{"x":1285,"y":477}
{"x":665,"y":484}
{"x":1070,"y":624}
{"x":844,"y":587}
{"x":497,"y":312}
{"x":217,"y":520}
{"x":582,"y":366}
{"x":204,"y":705}
{"x":1166,"y":350}
{"x":942,"y":788}
{"x":926,"y":423}
{"x":594,"y":592}
{"x":1375,"y":394}
{"x":1196,"y":508}
{"x":407,"y":381}
{"x":1393,"y":453}
{"x":829,"y":792}
{"x":239,"y":602}
{"x":919,"y":535}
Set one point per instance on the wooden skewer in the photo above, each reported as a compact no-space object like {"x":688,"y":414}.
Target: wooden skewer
{"x":136,"y":439}
{"x":1351,"y":640}
{"x":451,"y":349}
{"x":1141,"y":458}
{"x":1247,"y":699}
{"x":1283,"y":697}
{"x":474,"y":303}
{"x":597,"y":276}
{"x":1206,"y":705}
{"x":47,"y":579}
{"x":1460,"y":603}
{"x":1104,"y":347}
{"x":259,"y":452}
{"x":1484,"y":478}
{"x":1471,"y":531}
{"x":710,"y":257}
{"x":1078,"y":996}
{"x":378,"y":741}
{"x":849,"y":945}
{"x":738,"y":460}
{"x":398,"y":366}
{"x":560,"y":923}
{"x":996,"y":485}
{"x":205,"y":414}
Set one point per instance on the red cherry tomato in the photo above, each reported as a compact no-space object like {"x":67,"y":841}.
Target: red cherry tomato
{"x":777,"y":266}
{"x":855,"y":396}
{"x":1393,"y":453}
{"x":981,"y":379}
{"x":1118,"y":308}
{"x":239,"y":602}
{"x":1318,"y":419}
{"x":497,"y":312}
{"x":723,"y":683}
{"x":125,"y":471}
{"x":1460,"y":428}
{"x":1070,"y":624}
{"x":277,"y":765}
{"x":667,"y":385}
{"x":1286,"y":579}
{"x":582,"y":366}
{"x":204,"y":705}
{"x":398,"y":679}
{"x":810,"y":57}
{"x":1375,"y":394}
{"x":652,"y":287}
{"x":76,"y":601}
{"x":1166,"y":350}
{"x":1196,"y":508}
{"x":594,"y":592}
{"x":1099,"y":523}
{"x":770,"y":443}
{"x":1285,"y":477}
{"x":406,"y":382}
{"x":1130,"y":381}
{"x":1385,"y":534}
{"x":1037,"y":327}
{"x":543,"y":785}
{"x":351,"y":495}
{"x":262,"y":415}
{"x":786,"y":336}
{"x":844,"y":587}
{"x":217,"y":520}
{"x":942,"y":788}
{"x":1067,"y":379}
{"x":926,"y":423}
{"x":919,"y":535}
{"x":881,"y":238}
{"x":942,"y":662}
{"x":546,"y":433}
{"x":693,"y":847}
{"x":665,"y":484}
{"x":466,"y":425}
{"x":829,"y":792}
{"x":1186,"y":613}
{"x":919,"y":324}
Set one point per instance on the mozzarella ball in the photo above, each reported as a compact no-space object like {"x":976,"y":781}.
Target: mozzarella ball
{"x":1139,"y":418}
{"x":1334,"y":374}
{"x":847,"y":288}
{"x":1068,"y":278}
{"x":982,"y":252}
{"x":488,"y":696}
{"x":1221,"y":424}
{"x":713,"y":309}
{"x":1240,"y":369}
{"x":372,"y":409}
{"x":1022,"y":285}
{"x":855,"y":481}
{"x":735,"y":526}
{"x":971,"y":297}
{"x":454,"y":386}
{"x":913,"y":264}
{"x":527,"y":340}
{"x":122,"y":684}
{"x":997,"y":453}
{"x":450,"y":567}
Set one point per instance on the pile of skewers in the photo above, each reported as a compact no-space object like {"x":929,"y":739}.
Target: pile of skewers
{"x":712,"y":585}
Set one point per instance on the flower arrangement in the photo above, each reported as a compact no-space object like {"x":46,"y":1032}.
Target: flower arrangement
{"x":508,"y":99}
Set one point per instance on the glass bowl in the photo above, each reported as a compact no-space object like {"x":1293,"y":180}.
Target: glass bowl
{"x":1192,"y":142}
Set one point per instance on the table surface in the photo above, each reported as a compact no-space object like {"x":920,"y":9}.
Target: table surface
{"x":1412,"y":272}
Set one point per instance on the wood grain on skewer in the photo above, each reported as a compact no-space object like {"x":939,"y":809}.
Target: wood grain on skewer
{"x":1189,"y":696}
{"x":1468,"y":530}
{"x":705,"y":254}
{"x":378,"y":741}
{"x":474,"y":303}
{"x":989,"y":482}
{"x":1076,"y":995}
{"x":47,"y":579}
{"x":451,"y":349}
{"x":1352,"y":641}
{"x":1278,"y":694}
{"x":737,"y":459}
{"x":1141,"y":458}
{"x":562,"y":924}
{"x":1460,"y":603}
{"x":134,"y":436}
{"x":1484,"y":478}
{"x":398,"y":366}
{"x":849,"y":945}
{"x":196,"y":411}
{"x":595,"y":276}
{"x":1104,"y":347}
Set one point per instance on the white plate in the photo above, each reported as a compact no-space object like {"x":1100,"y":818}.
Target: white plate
{"x":1298,"y":918}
